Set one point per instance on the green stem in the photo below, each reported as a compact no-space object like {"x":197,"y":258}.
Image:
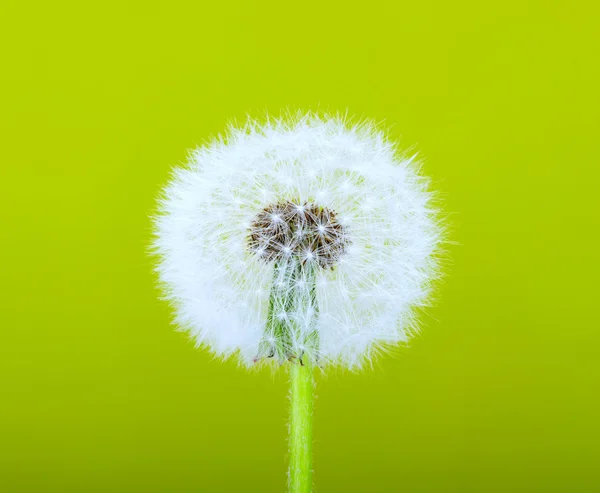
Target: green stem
{"x":302,"y":397}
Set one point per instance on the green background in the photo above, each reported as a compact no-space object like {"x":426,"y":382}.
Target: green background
{"x":98,"y":100}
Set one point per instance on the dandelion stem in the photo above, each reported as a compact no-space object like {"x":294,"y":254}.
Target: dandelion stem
{"x":302,"y":398}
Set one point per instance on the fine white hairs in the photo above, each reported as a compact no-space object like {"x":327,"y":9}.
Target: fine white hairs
{"x":316,"y":206}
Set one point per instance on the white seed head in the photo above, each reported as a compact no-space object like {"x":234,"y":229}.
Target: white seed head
{"x":308,"y":191}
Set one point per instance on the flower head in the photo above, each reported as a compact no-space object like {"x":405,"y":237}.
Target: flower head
{"x":303,"y":237}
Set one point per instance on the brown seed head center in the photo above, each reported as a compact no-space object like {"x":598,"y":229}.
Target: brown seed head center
{"x":305,"y":232}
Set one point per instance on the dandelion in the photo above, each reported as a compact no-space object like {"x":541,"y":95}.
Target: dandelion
{"x":306,"y":240}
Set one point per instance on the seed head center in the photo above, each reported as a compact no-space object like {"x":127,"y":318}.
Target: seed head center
{"x":306,"y":232}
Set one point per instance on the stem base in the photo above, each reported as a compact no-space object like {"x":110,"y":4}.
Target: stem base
{"x":302,"y":399}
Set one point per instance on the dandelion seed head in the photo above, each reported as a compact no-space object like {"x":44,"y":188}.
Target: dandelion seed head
{"x":315,"y":191}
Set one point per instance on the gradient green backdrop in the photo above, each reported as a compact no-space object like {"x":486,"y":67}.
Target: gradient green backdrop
{"x":498,"y":394}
